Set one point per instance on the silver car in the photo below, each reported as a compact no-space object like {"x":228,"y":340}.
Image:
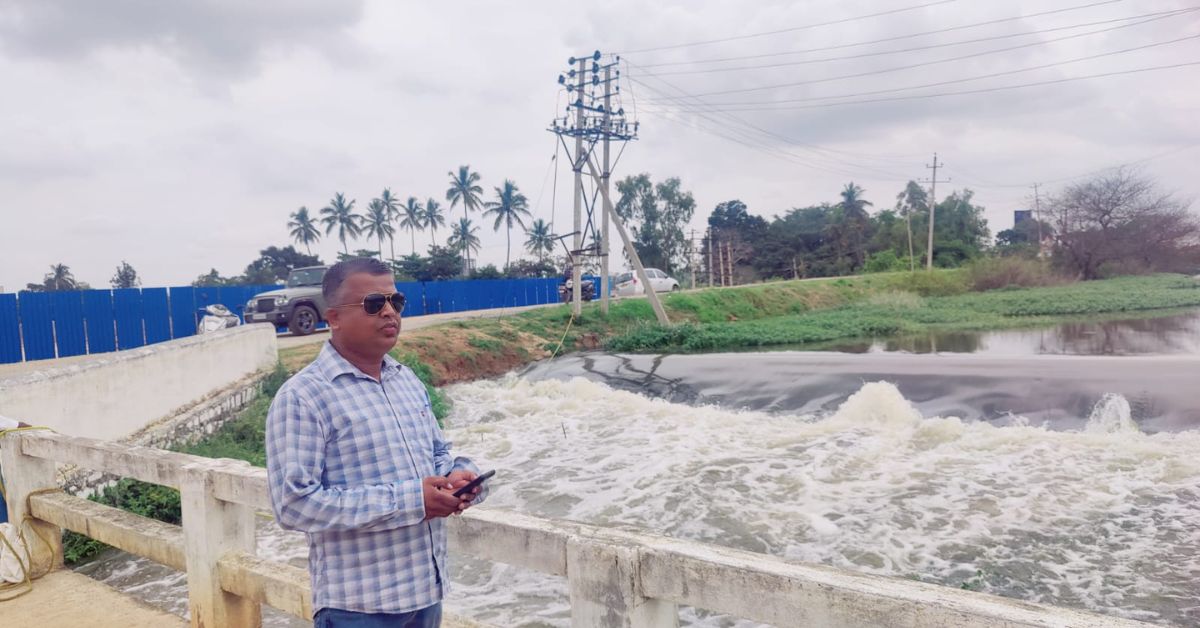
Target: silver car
{"x":628,"y":284}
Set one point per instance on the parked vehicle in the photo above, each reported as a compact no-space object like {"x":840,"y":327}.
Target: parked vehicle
{"x":300,"y":305}
{"x":628,"y":284}
{"x":587,"y":290}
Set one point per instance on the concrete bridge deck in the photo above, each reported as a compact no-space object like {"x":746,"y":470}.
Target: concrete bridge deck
{"x":65,"y":599}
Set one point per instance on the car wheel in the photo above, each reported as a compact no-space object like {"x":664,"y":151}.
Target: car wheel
{"x":303,"y":320}
{"x":675,"y":288}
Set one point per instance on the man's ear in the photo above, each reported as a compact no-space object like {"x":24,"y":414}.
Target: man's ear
{"x":332,"y":316}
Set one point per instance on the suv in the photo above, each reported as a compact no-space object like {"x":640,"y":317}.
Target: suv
{"x":299,"y":305}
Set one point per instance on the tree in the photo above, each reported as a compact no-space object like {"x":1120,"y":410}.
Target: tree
{"x":340,"y":215}
{"x":304,"y":229}
{"x":57,"y":280}
{"x":540,"y":241}
{"x":509,"y":207}
{"x":850,"y":226}
{"x":464,"y":189}
{"x":656,"y":215}
{"x":463,"y":239}
{"x":442,"y":263}
{"x":960,"y":231}
{"x":213,"y":279}
{"x":377,"y":223}
{"x":912,"y":201}
{"x":412,"y":219}
{"x":274,"y":264}
{"x":735,"y":231}
{"x":1121,"y":221}
{"x":521,"y":268}
{"x":126,"y":277}
{"x":391,"y":206}
{"x":433,"y":218}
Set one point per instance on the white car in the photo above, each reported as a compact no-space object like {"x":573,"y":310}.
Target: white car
{"x":628,"y":284}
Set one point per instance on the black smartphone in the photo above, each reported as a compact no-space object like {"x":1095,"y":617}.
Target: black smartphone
{"x":473,"y":483}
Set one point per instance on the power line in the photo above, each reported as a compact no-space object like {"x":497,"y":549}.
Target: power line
{"x":1158,"y":15}
{"x":957,"y":93}
{"x":893,"y":38}
{"x":829,"y":79}
{"x":796,"y":28}
{"x":1126,"y":164}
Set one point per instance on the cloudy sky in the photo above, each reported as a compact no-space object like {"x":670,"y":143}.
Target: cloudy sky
{"x":180,"y":135}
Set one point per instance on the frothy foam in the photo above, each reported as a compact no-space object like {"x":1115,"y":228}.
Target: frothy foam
{"x":1106,"y":519}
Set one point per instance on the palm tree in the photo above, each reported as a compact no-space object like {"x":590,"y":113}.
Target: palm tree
{"x":463,"y":238}
{"x":510,"y":205}
{"x":60,"y":278}
{"x":339,"y":214}
{"x":433,"y":218}
{"x":413,"y":219}
{"x":304,"y":228}
{"x":855,"y":219}
{"x":540,"y":241}
{"x":464,"y":188}
{"x":378,"y":223}
{"x":392,"y":205}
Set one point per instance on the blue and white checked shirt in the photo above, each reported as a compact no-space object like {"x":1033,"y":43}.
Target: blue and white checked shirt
{"x":345,"y":458}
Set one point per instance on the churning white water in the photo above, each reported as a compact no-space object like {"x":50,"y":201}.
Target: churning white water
{"x":1105,"y":519}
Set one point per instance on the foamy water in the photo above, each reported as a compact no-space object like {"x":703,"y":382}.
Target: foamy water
{"x":1105,"y":518}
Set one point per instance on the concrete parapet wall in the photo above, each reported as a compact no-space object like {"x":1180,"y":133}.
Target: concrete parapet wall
{"x":117,"y":395}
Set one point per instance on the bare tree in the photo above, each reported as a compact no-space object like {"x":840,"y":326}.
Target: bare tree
{"x":1121,"y":218}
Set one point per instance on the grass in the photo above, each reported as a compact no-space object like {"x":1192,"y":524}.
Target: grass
{"x":895,"y":313}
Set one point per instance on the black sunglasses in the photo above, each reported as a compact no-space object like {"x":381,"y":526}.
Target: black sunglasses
{"x":372,"y":304}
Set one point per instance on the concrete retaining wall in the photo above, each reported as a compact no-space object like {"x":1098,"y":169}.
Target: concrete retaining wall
{"x":117,"y":395}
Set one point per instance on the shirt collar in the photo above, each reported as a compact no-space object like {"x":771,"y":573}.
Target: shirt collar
{"x":330,"y":364}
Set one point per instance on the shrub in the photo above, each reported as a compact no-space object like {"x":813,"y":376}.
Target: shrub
{"x":994,"y":273}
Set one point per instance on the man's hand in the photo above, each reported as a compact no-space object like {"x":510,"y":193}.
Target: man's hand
{"x":439,"y":498}
{"x":459,"y":479}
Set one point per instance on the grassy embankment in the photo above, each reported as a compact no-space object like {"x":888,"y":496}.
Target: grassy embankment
{"x":784,"y":313}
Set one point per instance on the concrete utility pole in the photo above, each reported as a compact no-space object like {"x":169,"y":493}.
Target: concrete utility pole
{"x":576,"y":267}
{"x":597,"y":120}
{"x":692,"y":257}
{"x":708,"y":241}
{"x":1037,"y":215}
{"x":932,"y":209}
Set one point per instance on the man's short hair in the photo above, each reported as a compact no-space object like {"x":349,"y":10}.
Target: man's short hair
{"x":337,"y":274}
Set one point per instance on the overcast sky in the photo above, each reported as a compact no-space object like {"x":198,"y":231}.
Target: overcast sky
{"x":180,"y":135}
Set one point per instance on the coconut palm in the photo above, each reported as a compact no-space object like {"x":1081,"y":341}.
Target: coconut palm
{"x":378,"y":223}
{"x":433,"y":218}
{"x":509,"y":207}
{"x":304,"y":228}
{"x":540,"y":241}
{"x":392,"y":205}
{"x":60,"y":278}
{"x":412,"y":218}
{"x":339,"y":214}
{"x":464,"y":189}
{"x":463,"y":238}
{"x":854,"y":222}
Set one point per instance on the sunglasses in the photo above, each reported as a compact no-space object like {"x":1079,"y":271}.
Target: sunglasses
{"x":373,"y":303}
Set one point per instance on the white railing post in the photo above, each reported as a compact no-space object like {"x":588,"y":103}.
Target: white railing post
{"x":24,"y":475}
{"x":605,"y":590}
{"x":212,"y":527}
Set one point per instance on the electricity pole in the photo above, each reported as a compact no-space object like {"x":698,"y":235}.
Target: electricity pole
{"x":597,"y":121}
{"x":932,"y":209}
{"x":1037,"y":215}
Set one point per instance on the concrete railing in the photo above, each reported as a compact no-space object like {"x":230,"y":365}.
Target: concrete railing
{"x":615,"y":577}
{"x":114,"y":395}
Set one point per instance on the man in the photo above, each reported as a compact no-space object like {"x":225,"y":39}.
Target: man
{"x":7,"y":424}
{"x":356,"y":460}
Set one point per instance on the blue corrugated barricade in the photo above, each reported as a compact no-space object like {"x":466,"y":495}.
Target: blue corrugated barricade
{"x":414,"y":304}
{"x":157,"y":315}
{"x":127,"y":308}
{"x":183,"y":311}
{"x":37,"y":327}
{"x":10,"y":330}
{"x":67,"y":310}
{"x":101,"y":325}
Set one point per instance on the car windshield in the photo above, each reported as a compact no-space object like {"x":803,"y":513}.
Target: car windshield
{"x":309,"y":277}
{"x":622,"y":278}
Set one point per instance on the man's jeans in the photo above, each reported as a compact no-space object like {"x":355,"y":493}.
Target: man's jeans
{"x":428,"y":617}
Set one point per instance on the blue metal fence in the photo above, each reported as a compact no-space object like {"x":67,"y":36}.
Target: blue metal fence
{"x":44,"y":325}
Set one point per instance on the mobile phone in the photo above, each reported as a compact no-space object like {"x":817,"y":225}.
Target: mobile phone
{"x":473,"y":483}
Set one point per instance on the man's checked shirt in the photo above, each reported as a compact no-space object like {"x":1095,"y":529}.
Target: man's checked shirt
{"x":345,"y":459}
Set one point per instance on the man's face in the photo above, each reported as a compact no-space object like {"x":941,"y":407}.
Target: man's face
{"x":353,"y":327}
